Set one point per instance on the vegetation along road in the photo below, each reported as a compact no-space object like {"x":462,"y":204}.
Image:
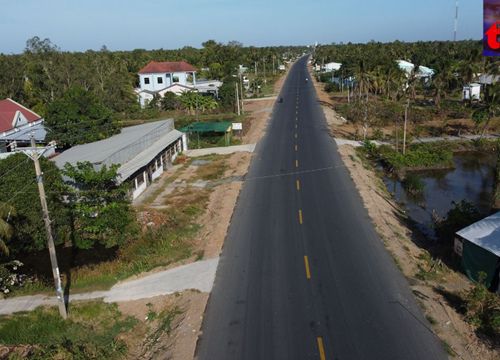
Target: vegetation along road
{"x":303,"y":274}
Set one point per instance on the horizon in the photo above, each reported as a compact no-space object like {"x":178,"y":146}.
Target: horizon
{"x":127,"y":26}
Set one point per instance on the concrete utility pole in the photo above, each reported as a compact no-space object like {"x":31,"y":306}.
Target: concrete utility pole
{"x":34,"y":154}
{"x":404,"y":126}
{"x":241,"y":92}
{"x":237,"y":98}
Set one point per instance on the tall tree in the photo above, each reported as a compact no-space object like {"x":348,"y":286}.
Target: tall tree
{"x":79,"y":117}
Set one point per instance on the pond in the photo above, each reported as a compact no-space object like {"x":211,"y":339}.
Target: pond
{"x":471,"y":179}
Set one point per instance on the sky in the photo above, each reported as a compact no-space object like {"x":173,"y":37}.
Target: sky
{"x":78,"y":25}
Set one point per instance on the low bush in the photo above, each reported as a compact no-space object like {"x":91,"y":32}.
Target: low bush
{"x":91,"y":332}
{"x":482,"y":309}
{"x":419,"y":156}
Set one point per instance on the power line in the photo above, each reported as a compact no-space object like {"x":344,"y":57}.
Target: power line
{"x":14,"y":168}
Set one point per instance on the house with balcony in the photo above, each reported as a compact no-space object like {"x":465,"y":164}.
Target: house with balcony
{"x":158,"y":78}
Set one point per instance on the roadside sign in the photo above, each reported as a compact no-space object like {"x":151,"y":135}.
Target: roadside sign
{"x":237,"y":126}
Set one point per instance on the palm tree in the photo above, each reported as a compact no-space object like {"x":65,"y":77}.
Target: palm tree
{"x":6,"y":230}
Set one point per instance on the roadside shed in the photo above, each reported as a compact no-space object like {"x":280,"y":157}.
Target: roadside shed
{"x":218,"y":128}
{"x":478,"y":245}
{"x":142,"y":152}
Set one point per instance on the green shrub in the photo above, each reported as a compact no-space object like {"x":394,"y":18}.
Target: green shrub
{"x":413,"y":184}
{"x":482,"y":308}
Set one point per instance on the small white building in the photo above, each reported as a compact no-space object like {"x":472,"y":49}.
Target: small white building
{"x":331,"y":66}
{"x":423,"y":72}
{"x":142,"y":152}
{"x":471,"y":92}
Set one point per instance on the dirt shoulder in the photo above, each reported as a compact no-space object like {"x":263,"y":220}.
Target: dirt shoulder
{"x":430,"y":280}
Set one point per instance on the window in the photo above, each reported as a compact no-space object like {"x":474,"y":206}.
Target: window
{"x":140,"y":179}
{"x":160,"y":80}
{"x":146,"y":80}
{"x":175,"y":79}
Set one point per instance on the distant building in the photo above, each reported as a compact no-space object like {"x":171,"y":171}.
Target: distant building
{"x":142,"y":152}
{"x":478,"y":246}
{"x":158,"y":78}
{"x":331,"y":66}
{"x":471,"y":92}
{"x":18,"y":124}
{"x":488,"y":79}
{"x":423,"y":72}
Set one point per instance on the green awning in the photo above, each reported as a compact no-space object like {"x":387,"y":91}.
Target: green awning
{"x":205,"y":127}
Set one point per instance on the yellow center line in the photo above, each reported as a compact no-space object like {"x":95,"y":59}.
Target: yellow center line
{"x":306,"y":264}
{"x":298,"y":185}
{"x":321,"y":348}
{"x":300,"y":217}
{"x":296,"y":163}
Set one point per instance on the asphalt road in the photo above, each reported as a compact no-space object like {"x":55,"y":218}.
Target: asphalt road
{"x":303,"y":274}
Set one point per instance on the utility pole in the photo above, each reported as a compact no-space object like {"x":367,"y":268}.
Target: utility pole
{"x":404,"y":126}
{"x":241,"y":92}
{"x":34,"y":154}
{"x":237,"y":98}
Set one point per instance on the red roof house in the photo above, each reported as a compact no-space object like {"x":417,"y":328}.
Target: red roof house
{"x":13,"y":115}
{"x":155,"y":67}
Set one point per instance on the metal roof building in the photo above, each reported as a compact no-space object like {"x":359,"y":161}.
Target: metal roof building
{"x":479,"y":246}
{"x":142,"y":151}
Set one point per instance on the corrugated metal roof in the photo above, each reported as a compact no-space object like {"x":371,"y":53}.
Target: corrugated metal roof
{"x":484,"y":233}
{"x":146,"y":156}
{"x":24,"y":133}
{"x":219,"y":126}
{"x":132,"y":148}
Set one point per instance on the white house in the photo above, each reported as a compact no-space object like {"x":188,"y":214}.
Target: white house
{"x":471,"y":92}
{"x":18,"y":124}
{"x":156,"y":77}
{"x":423,"y":72}
{"x":331,"y":66}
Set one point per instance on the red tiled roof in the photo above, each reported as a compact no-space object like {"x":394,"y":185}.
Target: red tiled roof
{"x":166,"y":67}
{"x":8,"y":108}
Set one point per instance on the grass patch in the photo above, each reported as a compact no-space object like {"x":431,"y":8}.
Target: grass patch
{"x":418,"y":156}
{"x":211,"y":171}
{"x":91,"y":332}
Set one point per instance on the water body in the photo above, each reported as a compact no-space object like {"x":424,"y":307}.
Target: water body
{"x":471,"y":180}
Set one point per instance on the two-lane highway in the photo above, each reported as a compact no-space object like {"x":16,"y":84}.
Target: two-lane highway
{"x":303,"y":274}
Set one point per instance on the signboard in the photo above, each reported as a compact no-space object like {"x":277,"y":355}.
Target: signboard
{"x":237,"y":126}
